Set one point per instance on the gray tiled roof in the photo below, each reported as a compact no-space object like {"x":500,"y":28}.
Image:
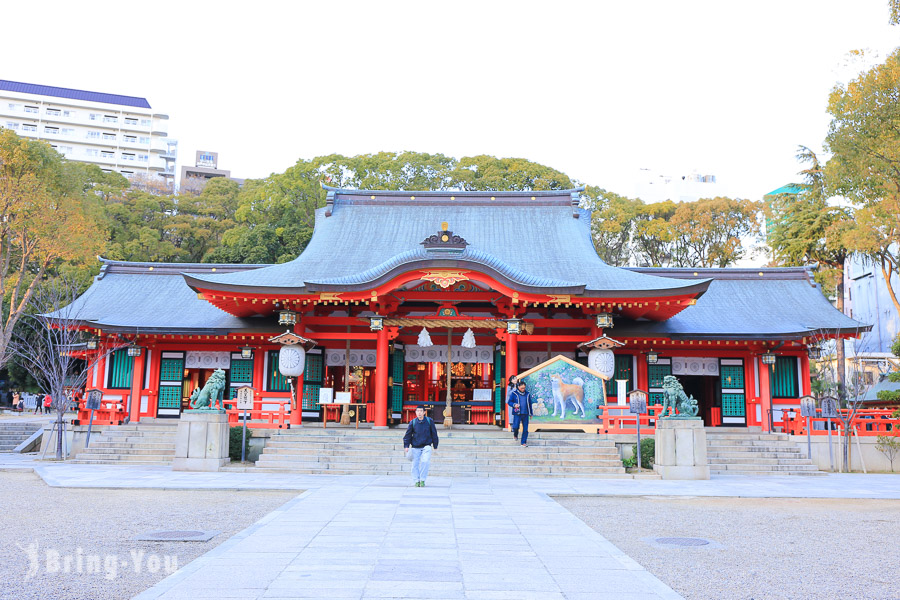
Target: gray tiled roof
{"x":739,"y":304}
{"x":131,"y":297}
{"x":532,"y":242}
{"x":749,"y":303}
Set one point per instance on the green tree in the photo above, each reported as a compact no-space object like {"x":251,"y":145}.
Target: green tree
{"x":708,"y":232}
{"x":613,"y":222}
{"x":865,"y":165}
{"x":654,"y":238}
{"x":487,"y":173}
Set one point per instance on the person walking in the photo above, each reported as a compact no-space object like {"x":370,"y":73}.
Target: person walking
{"x":420,"y":440}
{"x":48,"y":404}
{"x":520,"y":401}
{"x":514,"y":418}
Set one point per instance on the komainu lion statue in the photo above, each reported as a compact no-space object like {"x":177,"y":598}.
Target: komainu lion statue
{"x":675,"y":399}
{"x":215,"y":385}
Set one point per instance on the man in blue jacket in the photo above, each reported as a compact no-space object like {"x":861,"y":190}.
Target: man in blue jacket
{"x":520,"y":401}
{"x":420,"y":441}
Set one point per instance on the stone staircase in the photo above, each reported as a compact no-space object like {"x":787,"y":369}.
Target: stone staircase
{"x":461,"y":452}
{"x":749,"y":451}
{"x":150,"y":442}
{"x":14,"y":433}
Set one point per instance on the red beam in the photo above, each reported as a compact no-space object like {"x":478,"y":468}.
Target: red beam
{"x":524,"y":339}
{"x":321,"y":335}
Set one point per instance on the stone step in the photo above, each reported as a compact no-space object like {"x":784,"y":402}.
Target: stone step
{"x":767,"y":473}
{"x":129,"y":451}
{"x":436,"y":469}
{"x":131,"y":461}
{"x":118,"y":459}
{"x":333,"y":471}
{"x":778,"y":437}
{"x":754,"y":448}
{"x":757,"y":461}
{"x":150,"y":439}
{"x":511,"y":447}
{"x":493,"y":453}
{"x":779,"y":454}
{"x":278,"y":441}
{"x":762,"y":467}
{"x":522,"y":458}
{"x":107,"y":443}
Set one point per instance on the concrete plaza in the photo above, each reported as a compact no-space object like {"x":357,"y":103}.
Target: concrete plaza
{"x":378,"y":537}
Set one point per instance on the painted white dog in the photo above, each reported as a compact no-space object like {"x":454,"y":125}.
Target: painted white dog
{"x":562,"y":392}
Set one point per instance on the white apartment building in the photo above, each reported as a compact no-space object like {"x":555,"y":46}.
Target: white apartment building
{"x":652,"y":186}
{"x":117,"y":133}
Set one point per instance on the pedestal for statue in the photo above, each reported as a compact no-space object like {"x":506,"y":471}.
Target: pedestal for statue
{"x":201,"y":443}
{"x":681,"y":449}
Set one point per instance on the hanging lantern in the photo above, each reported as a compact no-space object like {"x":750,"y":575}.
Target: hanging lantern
{"x":604,"y":321}
{"x":425,"y":339}
{"x":468,"y":340}
{"x":652,"y":357}
{"x":287,"y":317}
{"x":768,"y":358}
{"x":291,"y":361}
{"x":603,"y":361}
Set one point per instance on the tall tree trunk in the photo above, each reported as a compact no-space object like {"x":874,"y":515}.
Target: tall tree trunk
{"x":839,"y":341}
{"x":887,"y":272}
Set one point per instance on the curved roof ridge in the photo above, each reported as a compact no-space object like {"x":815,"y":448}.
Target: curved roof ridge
{"x":463,"y":193}
{"x":468,"y":255}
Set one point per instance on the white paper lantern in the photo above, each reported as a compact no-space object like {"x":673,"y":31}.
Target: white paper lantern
{"x":291,"y":361}
{"x":602,"y":361}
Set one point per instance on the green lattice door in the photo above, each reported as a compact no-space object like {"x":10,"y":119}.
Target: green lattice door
{"x":624,"y":363}
{"x":398,"y":362}
{"x":171,"y":379}
{"x":655,"y":374}
{"x":313,"y":374}
{"x":499,"y":383}
{"x":734,"y":397}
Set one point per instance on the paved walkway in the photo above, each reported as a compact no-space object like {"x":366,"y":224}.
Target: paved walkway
{"x":469,"y":538}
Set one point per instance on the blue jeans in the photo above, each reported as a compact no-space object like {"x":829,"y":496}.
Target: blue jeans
{"x":421,"y":460}
{"x":523,"y":419}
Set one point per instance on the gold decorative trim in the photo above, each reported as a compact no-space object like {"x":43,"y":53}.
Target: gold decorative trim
{"x":445,"y":278}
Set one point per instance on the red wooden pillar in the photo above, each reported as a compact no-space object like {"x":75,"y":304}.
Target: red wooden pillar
{"x":153,"y":386}
{"x":643,"y":373}
{"x":137,"y":384}
{"x":805,"y":383}
{"x":765,"y":394}
{"x":381,"y":379}
{"x":296,"y":416}
{"x":259,"y":371}
{"x":512,"y":366}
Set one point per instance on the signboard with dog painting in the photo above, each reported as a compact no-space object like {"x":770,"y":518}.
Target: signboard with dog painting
{"x":565,"y":394}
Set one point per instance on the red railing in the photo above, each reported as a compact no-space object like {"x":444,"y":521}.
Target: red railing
{"x":867,"y":421}
{"x":619,"y":420}
{"x":111,"y":412}
{"x":258,"y":418}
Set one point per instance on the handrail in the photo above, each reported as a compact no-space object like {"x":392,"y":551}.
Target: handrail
{"x":867,"y":422}
{"x":259,"y":418}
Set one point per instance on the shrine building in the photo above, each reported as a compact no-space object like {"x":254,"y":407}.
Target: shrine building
{"x":395,"y":288}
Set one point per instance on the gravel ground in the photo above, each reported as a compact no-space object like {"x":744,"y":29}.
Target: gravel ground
{"x":76,"y":523}
{"x":762,"y":548}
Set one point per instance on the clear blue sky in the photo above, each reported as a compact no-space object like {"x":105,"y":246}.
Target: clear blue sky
{"x":594,"y":89}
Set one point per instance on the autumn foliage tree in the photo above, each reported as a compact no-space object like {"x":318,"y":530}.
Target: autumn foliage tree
{"x":865,"y":165}
{"x":48,"y":218}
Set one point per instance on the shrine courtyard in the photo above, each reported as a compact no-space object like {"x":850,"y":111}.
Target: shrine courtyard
{"x":320,"y":536}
